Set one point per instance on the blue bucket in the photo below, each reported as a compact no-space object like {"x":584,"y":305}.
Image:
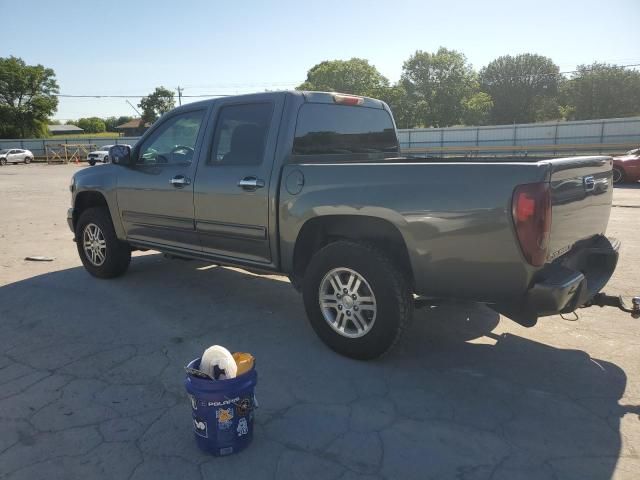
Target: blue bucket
{"x":222,"y":411}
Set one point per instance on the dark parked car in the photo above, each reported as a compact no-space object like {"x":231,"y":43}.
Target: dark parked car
{"x":312,"y":185}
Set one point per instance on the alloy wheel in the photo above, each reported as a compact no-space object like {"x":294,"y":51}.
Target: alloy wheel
{"x":94,"y":243}
{"x":347,"y":302}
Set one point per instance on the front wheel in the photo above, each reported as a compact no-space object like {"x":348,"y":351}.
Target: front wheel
{"x":92,"y":162}
{"x":102,"y":253}
{"x":357,"y":300}
{"x":618,"y":175}
{"x":3,"y":161}
{"x":27,"y":160}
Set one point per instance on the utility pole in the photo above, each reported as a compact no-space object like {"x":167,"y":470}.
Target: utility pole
{"x":179,"y":95}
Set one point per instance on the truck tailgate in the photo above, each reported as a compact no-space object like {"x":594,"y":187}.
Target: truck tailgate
{"x":581,"y":194}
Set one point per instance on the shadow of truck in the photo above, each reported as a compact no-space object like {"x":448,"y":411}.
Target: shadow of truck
{"x":453,"y":400}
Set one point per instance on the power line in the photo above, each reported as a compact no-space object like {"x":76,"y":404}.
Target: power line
{"x":251,"y":84}
{"x":65,"y":95}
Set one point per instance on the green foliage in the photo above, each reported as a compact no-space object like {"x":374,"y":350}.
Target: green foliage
{"x":27,"y":98}
{"x":521,"y":87}
{"x":601,"y":91}
{"x":92,"y":125}
{"x":156,"y":104}
{"x":438,"y":85}
{"x":356,"y":76}
{"x":112,"y":122}
{"x":477,"y":109}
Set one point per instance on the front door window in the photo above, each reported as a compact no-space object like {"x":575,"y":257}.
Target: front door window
{"x":174,"y":142}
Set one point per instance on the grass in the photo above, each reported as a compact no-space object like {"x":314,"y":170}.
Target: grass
{"x":83,"y":136}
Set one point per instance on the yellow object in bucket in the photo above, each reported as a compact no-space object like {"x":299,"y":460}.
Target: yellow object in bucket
{"x":244,"y":361}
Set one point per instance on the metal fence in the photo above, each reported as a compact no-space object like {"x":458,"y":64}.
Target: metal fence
{"x":607,"y":136}
{"x":588,"y":136}
{"x":39,"y":146}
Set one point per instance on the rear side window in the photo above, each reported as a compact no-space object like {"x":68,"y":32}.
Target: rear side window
{"x":241,"y":134}
{"x":325,"y":129}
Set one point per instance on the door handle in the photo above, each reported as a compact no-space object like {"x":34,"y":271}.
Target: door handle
{"x":180,"y":181}
{"x":251,"y":183}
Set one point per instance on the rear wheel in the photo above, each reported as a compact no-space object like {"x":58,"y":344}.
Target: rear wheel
{"x":105,"y":159}
{"x":618,"y":175}
{"x":102,"y":254}
{"x":357,"y":300}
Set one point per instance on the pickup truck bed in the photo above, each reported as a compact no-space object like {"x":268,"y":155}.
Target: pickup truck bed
{"x":311,"y":185}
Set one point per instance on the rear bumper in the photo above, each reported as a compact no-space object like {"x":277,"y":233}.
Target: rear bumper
{"x":569,"y":282}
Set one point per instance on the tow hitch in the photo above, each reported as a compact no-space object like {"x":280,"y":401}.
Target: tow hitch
{"x":604,"y":300}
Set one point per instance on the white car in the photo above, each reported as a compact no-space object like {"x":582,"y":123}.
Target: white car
{"x":101,"y":155}
{"x":15,"y":155}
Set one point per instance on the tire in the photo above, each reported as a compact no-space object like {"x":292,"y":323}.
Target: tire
{"x":3,"y":161}
{"x":116,"y":255}
{"x":27,"y":160}
{"x":92,"y":162}
{"x":618,"y":176}
{"x":105,"y":159}
{"x":392,"y":305}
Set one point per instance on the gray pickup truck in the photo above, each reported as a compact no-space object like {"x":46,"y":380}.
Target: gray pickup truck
{"x":312,"y":185}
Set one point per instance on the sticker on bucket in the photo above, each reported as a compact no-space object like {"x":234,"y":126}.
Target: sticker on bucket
{"x":243,"y":407}
{"x":225,"y":418}
{"x":200,"y":427}
{"x":243,"y":428}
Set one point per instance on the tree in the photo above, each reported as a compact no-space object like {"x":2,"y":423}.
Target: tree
{"x":27,"y":98}
{"x":477,"y":109}
{"x":523,"y":88}
{"x":402,"y":108}
{"x":92,"y":125}
{"x":601,"y":91}
{"x":112,"y":122}
{"x":438,"y":85}
{"x":356,"y":76}
{"x":156,"y":104}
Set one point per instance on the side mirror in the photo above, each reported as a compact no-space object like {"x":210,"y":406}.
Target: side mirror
{"x":120,"y":154}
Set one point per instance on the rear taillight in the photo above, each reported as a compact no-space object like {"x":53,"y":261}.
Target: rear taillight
{"x":532,"y":219}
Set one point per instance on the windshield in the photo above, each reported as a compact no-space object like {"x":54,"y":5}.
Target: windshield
{"x":105,"y":148}
{"x":635,"y":151}
{"x":5,"y":150}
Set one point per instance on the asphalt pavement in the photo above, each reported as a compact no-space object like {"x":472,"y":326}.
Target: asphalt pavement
{"x":91,"y":371}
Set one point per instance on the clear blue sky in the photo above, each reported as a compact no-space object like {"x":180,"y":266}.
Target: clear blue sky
{"x":118,"y":47}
